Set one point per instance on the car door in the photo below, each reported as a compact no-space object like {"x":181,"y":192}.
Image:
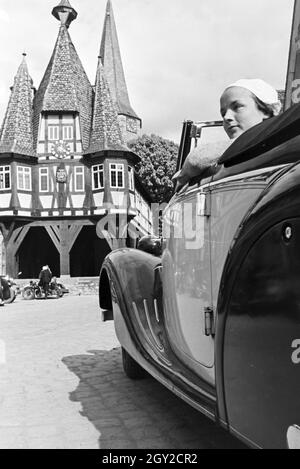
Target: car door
{"x":202,"y":223}
{"x":230,"y":200}
{"x":186,"y":278}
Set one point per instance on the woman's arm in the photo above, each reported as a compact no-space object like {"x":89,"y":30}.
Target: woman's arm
{"x":202,"y":161}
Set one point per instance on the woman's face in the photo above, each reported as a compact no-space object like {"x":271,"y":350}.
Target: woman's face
{"x":239,"y":111}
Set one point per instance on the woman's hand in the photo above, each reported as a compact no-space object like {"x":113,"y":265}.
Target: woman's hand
{"x":201,"y":161}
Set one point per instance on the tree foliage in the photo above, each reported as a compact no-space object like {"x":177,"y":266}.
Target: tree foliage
{"x":157,"y":166}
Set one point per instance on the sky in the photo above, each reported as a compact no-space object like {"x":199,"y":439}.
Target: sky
{"x":178,"y":55}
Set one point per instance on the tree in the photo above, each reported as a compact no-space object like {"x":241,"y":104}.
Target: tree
{"x":157,"y":166}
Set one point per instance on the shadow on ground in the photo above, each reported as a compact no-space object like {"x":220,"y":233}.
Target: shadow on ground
{"x":138,"y":414}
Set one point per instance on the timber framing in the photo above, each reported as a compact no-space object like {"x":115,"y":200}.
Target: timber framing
{"x":64,"y":160}
{"x":63,"y":234}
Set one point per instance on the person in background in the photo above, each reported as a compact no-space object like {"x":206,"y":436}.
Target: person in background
{"x":243,"y":104}
{"x":45,"y":279}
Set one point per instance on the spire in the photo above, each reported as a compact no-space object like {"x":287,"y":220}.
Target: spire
{"x":16,"y":130}
{"x":65,"y":13}
{"x":106,"y":133}
{"x":65,"y":86}
{"x":111,"y":58}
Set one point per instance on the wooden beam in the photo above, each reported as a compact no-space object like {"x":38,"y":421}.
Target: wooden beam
{"x":74,"y":232}
{"x":7,"y":232}
{"x":11,"y":261}
{"x":13,"y":241}
{"x":54,"y":239}
{"x":114,"y":243}
{"x":55,"y":229}
{"x":118,"y":243}
{"x":18,"y":236}
{"x":3,"y":229}
{"x":64,"y":248}
{"x":56,"y":222}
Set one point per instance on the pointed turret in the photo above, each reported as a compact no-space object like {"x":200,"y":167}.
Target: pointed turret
{"x":65,"y":13}
{"x":112,"y":62}
{"x":106,"y":133}
{"x":65,"y":86}
{"x":16,"y":131}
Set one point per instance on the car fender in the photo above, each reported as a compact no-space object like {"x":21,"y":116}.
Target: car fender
{"x":132,"y":270}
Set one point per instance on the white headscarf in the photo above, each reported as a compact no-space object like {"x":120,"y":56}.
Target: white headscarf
{"x":262,"y":90}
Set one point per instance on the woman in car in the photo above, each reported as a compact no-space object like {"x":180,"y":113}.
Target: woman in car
{"x":243,"y":105}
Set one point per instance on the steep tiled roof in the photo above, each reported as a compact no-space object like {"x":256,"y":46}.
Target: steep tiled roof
{"x":16,"y":130}
{"x":65,"y":86}
{"x":106,"y":133}
{"x":111,"y":58}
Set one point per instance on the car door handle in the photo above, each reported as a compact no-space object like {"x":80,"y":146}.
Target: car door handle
{"x":209,"y":321}
{"x":203,"y":204}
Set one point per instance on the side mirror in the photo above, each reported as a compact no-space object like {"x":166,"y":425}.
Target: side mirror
{"x":151,"y":245}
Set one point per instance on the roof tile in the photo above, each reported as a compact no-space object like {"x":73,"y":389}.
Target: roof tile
{"x":111,"y":58}
{"x":65,"y":86}
{"x":16,"y":130}
{"x":106,"y":133}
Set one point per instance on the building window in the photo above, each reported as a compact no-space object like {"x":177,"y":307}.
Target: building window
{"x":53,"y":132}
{"x":24,"y":178}
{"x":116,"y":175}
{"x":131,"y":178}
{"x":79,"y":178}
{"x":44,"y":180}
{"x":4,"y":177}
{"x":98,"y":176}
{"x":61,"y":128}
{"x":67,"y":132}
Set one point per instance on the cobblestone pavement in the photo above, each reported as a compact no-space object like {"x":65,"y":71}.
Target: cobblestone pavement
{"x":62,"y":386}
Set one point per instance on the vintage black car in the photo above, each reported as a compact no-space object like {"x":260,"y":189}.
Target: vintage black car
{"x":213,"y":310}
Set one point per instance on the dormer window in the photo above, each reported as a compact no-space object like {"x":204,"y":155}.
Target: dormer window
{"x":61,"y":129}
{"x":68,"y":131}
{"x":53,"y":132}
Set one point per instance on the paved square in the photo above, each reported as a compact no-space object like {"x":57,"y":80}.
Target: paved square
{"x":62,"y":386}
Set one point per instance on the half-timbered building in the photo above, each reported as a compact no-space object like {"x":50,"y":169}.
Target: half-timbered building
{"x":68,"y":189}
